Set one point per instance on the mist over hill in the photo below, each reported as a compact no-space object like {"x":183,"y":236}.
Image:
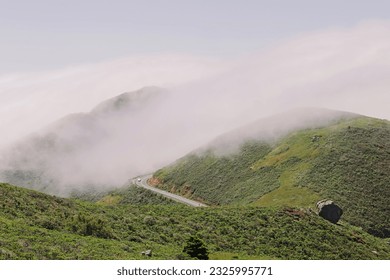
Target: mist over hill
{"x":272,"y":128}
{"x":131,"y":134}
{"x":345,"y":158}
{"x":83,"y":150}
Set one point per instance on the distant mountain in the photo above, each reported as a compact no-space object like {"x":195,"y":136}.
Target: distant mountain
{"x":56,"y":158}
{"x":128,"y":101}
{"x":294,"y":160}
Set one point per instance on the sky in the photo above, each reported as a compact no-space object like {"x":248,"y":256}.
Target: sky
{"x":53,"y":34}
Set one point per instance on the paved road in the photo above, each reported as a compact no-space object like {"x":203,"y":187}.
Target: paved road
{"x":144,"y":184}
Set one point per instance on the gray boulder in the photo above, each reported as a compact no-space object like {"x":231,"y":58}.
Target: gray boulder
{"x":328,"y":210}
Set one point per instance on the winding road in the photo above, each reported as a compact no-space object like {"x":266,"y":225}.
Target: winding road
{"x":143,"y":183}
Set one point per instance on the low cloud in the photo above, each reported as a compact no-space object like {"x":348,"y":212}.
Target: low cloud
{"x":30,"y":101}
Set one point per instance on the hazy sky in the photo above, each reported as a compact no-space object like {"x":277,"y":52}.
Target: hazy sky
{"x":51,"y":34}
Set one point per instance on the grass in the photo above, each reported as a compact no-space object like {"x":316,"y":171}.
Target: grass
{"x":289,"y":195}
{"x":39,"y":226}
{"x":110,"y":199}
{"x":221,"y":180}
{"x":135,"y":196}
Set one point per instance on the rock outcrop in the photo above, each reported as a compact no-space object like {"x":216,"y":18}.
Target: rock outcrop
{"x":328,"y":210}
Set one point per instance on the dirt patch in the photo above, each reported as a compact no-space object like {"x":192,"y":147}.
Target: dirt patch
{"x":154,"y":182}
{"x":357,"y":238}
{"x":186,"y":191}
{"x":297,"y":214}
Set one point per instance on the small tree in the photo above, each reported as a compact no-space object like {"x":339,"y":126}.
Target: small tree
{"x":196,"y":248}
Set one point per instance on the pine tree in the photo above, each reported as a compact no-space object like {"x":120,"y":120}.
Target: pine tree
{"x":196,"y":248}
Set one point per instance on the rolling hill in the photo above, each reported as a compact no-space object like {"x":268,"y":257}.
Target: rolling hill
{"x":346,"y":160}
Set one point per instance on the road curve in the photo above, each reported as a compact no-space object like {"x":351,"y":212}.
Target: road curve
{"x":143,"y":183}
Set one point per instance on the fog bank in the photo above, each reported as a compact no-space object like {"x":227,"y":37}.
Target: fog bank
{"x":197,"y":99}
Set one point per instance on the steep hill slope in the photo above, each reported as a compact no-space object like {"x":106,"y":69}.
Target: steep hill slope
{"x":39,"y":226}
{"x":347,"y":161}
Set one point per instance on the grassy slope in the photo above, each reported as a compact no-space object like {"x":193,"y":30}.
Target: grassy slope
{"x":222,"y":180}
{"x":348,"y":162}
{"x":126,"y":195}
{"x":38,"y":226}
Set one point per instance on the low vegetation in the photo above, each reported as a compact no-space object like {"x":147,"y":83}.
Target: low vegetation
{"x":130,"y":194}
{"x":39,"y":226}
{"x":221,"y":180}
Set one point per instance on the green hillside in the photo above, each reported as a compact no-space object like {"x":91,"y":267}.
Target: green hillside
{"x":347,"y":161}
{"x":39,"y":226}
{"x":123,"y":196}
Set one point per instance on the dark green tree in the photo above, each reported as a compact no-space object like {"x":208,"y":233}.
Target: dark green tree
{"x":196,"y":248}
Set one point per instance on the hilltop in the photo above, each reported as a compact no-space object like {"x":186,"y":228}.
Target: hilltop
{"x":39,"y":226}
{"x":346,"y":160}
